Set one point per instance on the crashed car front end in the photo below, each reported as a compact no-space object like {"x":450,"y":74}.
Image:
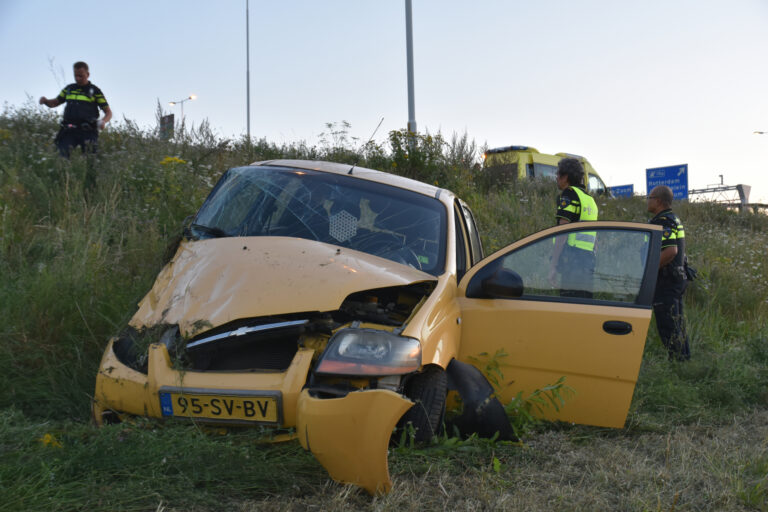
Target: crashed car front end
{"x":336,"y":376}
{"x":320,"y":336}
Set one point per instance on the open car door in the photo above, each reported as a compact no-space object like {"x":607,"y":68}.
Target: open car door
{"x":583,"y":317}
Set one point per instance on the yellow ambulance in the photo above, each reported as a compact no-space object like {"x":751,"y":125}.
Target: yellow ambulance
{"x":512,"y":162}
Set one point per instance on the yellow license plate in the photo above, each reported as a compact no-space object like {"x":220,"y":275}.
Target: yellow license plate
{"x":259,"y":407}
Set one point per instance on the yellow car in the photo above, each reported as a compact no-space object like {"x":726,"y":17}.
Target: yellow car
{"x":342,"y":303}
{"x":513,"y":162}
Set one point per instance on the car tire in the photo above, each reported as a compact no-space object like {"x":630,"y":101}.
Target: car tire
{"x":427,"y":390}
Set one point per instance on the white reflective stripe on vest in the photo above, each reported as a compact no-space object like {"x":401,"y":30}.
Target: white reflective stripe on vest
{"x":586,"y":236}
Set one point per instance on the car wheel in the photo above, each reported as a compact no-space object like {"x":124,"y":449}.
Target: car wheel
{"x":428,"y":391}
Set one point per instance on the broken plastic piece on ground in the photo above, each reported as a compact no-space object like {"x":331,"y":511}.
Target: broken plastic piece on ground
{"x":349,"y":436}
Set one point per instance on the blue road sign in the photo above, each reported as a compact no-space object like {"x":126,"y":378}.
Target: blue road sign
{"x":673,"y":176}
{"x":623,"y":190}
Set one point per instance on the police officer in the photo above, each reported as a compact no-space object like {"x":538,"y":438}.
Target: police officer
{"x":81,"y":122}
{"x":672,"y":279}
{"x":574,"y":256}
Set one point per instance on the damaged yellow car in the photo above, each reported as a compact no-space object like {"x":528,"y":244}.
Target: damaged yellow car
{"x":345,"y":303}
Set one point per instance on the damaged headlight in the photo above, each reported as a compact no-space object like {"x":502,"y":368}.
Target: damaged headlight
{"x":369,"y":352}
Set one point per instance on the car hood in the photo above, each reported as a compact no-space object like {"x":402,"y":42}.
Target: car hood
{"x":212,"y":282}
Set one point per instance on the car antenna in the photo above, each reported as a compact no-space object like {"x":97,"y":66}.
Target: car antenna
{"x":369,"y":140}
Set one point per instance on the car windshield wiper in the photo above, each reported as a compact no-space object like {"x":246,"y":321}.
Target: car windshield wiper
{"x":208,"y":230}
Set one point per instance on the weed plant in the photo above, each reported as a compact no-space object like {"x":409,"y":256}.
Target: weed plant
{"x":81,"y":241}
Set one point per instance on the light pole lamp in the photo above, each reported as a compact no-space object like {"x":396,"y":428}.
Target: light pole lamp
{"x":759,"y":133}
{"x":181,"y":102}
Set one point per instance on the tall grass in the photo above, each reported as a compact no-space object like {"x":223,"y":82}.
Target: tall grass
{"x":81,"y":241}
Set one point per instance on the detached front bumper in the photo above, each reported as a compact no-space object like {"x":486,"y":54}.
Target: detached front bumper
{"x":122,"y":389}
{"x":349,"y":436}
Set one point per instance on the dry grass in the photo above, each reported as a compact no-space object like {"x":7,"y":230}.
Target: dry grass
{"x":691,"y":467}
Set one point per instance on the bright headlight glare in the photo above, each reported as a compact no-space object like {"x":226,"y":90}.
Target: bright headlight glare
{"x":369,"y":352}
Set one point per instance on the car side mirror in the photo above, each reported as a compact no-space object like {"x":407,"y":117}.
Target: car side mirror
{"x":186,"y":232}
{"x":503,"y":284}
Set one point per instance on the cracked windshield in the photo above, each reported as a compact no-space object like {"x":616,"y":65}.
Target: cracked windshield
{"x":399,"y":225}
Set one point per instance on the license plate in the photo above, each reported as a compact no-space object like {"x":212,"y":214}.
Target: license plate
{"x":238,"y":406}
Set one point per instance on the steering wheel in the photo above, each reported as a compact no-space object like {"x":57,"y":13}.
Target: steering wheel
{"x":406,"y":256}
{"x":376,"y":243}
{"x":299,"y":227}
{"x":389,"y":246}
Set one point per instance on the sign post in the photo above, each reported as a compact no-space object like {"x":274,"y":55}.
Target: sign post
{"x":673,"y":176}
{"x":166,"y":127}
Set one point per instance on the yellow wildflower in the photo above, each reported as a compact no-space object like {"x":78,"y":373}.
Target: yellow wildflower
{"x":172,"y":160}
{"x":50,"y":440}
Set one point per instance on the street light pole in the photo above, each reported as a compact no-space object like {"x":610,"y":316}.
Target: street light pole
{"x":247,"y":71}
{"x":181,"y":102}
{"x":409,"y":52}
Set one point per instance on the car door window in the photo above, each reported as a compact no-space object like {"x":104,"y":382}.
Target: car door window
{"x":612,"y":270}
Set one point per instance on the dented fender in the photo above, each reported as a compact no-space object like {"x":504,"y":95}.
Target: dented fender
{"x":349,"y":436}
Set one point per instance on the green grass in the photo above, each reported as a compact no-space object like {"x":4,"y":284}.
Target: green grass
{"x":82,"y":240}
{"x":128,"y":466}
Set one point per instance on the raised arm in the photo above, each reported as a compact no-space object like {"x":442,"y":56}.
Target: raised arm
{"x":52,"y":103}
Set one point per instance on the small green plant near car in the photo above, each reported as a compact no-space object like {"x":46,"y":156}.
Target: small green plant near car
{"x":524,"y":411}
{"x":521,"y":410}
{"x":490,"y":366}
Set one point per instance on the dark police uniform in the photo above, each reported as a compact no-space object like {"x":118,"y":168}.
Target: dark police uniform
{"x":78,"y":128}
{"x":670,"y":286}
{"x":577,"y":261}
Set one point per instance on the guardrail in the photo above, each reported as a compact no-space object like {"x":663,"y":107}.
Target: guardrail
{"x":722,"y":197}
{"x":720,"y":190}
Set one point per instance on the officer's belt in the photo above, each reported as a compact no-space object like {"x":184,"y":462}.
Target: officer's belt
{"x":79,"y":126}
{"x":677,"y":272}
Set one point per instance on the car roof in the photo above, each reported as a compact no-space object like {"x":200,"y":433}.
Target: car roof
{"x":360,"y":173}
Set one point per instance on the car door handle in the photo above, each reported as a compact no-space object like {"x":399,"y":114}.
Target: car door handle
{"x":617,"y":327}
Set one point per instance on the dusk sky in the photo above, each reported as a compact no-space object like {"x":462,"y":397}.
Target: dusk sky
{"x":630,"y":86}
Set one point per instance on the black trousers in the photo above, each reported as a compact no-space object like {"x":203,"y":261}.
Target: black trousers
{"x":69,"y":138}
{"x":577,"y":271}
{"x":670,"y":319}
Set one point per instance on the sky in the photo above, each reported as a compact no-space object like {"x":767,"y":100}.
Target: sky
{"x":630,"y":86}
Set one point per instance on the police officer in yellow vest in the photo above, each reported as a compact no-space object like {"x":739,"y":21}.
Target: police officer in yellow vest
{"x":574,"y":257}
{"x":81,"y":115}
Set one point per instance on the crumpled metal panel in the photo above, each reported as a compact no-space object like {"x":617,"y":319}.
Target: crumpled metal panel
{"x":350,"y":435}
{"x":212,"y":282}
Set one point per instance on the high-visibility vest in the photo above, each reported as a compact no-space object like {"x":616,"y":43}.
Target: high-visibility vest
{"x":584,"y":240}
